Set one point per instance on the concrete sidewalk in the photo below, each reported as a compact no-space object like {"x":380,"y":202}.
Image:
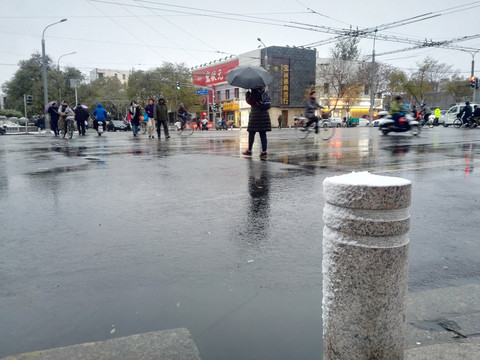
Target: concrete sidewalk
{"x":444,"y":323}
{"x":173,"y":344}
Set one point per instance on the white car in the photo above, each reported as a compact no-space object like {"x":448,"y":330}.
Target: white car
{"x":451,"y":114}
{"x":363,"y":122}
{"x":334,"y":122}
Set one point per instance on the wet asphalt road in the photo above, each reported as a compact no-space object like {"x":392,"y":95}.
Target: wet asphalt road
{"x":112,"y":236}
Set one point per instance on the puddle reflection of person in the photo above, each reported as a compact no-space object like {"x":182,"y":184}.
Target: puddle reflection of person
{"x":258,"y":215}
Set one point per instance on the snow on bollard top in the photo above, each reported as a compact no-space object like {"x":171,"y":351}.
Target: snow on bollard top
{"x":363,"y":190}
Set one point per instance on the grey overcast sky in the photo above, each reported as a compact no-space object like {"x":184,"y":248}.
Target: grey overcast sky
{"x":142,"y":34}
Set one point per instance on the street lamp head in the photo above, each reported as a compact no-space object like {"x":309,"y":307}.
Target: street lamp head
{"x":63,"y":20}
{"x":258,"y":39}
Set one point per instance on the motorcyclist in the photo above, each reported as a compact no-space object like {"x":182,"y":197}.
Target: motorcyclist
{"x":466,"y":112}
{"x":100,"y":116}
{"x":397,"y":109}
{"x":311,"y":106}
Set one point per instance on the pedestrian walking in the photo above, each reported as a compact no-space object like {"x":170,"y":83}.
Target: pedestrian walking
{"x":161,"y":116}
{"x":258,"y":119}
{"x":54,"y":116}
{"x":280,"y":120}
{"x":81,"y":116}
{"x":151,"y":121}
{"x":136,"y":118}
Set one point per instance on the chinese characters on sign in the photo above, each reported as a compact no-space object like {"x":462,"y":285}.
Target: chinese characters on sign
{"x":213,"y":74}
{"x":283,"y":67}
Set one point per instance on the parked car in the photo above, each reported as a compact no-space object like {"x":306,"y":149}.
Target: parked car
{"x":335,"y":122}
{"x":451,"y":114}
{"x":114,"y":125}
{"x":363,"y":122}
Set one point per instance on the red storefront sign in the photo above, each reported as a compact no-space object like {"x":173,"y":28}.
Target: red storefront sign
{"x":213,"y":74}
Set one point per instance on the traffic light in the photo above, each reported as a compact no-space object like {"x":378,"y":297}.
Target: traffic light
{"x":178,"y":85}
{"x":29,"y":99}
{"x":473,"y":81}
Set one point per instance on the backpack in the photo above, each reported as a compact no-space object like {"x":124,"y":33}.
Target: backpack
{"x":265,"y":102}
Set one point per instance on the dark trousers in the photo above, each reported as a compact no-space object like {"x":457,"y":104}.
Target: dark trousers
{"x":54,"y":126}
{"x":165,"y":127}
{"x":311,"y":121}
{"x":81,"y":127}
{"x":263,"y":139}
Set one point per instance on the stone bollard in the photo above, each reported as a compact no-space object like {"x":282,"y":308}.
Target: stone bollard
{"x":365,"y":266}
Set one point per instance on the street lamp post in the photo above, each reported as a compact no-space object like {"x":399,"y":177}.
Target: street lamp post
{"x":265,"y":62}
{"x":266,"y":54}
{"x":372,"y":79}
{"x":58,"y":62}
{"x":44,"y":70}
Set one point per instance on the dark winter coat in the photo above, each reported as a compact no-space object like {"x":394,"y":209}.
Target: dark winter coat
{"x":149,"y":110}
{"x":81,"y":114}
{"x":259,"y":119}
{"x":53,"y":111}
{"x":160,"y":112}
{"x":136,"y":116}
{"x":310,"y":106}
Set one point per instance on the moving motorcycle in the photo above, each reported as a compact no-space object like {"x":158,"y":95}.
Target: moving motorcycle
{"x":100,"y":127}
{"x":406,"y":122}
{"x":3,"y":129}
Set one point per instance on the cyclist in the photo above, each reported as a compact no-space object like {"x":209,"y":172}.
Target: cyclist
{"x":426,"y":113}
{"x":476,"y":114}
{"x":64,"y":110}
{"x":182,"y":113}
{"x":466,"y":112}
{"x":310,"y":106}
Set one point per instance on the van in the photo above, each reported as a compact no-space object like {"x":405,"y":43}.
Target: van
{"x":451,"y":114}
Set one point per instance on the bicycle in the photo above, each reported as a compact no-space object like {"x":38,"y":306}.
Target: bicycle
{"x":187,"y":127}
{"x":66,"y":126}
{"x":324,"y":129}
{"x":471,"y":122}
{"x":143,"y":127}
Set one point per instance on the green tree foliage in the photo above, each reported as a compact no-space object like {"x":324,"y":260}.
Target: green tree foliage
{"x":162,"y":80}
{"x":346,"y":49}
{"x":458,"y":88}
{"x":27,"y":80}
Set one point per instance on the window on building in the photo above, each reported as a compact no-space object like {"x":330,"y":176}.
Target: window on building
{"x":124,"y":77}
{"x":236,"y":93}
{"x":366,"y":90}
{"x":100,"y":75}
{"x":227,"y":94}
{"x":325,"y":88}
{"x":218,"y":96}
{"x":116,"y":75}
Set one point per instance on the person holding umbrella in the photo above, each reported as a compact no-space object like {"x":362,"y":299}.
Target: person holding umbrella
{"x":255,"y":78}
{"x":54,"y":116}
{"x":258,"y":119}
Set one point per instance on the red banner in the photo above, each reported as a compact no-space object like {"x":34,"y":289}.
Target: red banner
{"x":214,"y":74}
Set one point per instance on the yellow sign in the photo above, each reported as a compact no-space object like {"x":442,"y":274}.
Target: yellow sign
{"x":233,"y":106}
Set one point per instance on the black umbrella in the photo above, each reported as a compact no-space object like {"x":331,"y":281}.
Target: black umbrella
{"x":249,"y":77}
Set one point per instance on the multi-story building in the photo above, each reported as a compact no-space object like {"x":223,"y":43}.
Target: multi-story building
{"x":293,"y":72}
{"x":121,"y":75}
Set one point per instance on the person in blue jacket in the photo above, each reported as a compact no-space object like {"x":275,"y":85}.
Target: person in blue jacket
{"x":100,"y":115}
